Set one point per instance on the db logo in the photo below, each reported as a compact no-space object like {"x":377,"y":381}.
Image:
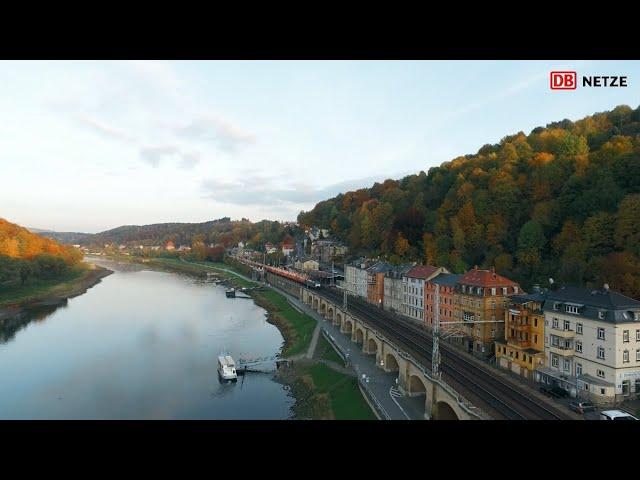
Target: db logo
{"x":563,"y":80}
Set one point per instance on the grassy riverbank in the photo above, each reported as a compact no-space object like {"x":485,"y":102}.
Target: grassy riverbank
{"x":323,"y":394}
{"x":73,"y":284}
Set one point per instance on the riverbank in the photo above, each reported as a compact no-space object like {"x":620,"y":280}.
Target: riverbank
{"x":321,"y":391}
{"x":50,"y":293}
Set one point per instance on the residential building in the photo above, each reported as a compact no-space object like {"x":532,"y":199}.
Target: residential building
{"x":447,"y":284}
{"x":355,"y":281}
{"x":592,"y":343}
{"x":522,"y":349}
{"x":287,"y":247}
{"x":393,"y":291}
{"x":306,"y":264}
{"x":170,"y":245}
{"x":480,"y":300}
{"x":375,"y":283}
{"x":413,"y":289}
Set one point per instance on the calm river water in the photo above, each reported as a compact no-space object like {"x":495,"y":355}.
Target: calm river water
{"x":139,"y":345}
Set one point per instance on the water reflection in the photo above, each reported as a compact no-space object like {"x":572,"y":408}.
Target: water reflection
{"x":9,"y":327}
{"x":141,"y":344}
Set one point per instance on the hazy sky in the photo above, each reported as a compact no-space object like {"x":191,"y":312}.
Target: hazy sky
{"x":88,"y":146}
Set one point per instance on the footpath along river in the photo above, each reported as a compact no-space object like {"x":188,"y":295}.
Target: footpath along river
{"x":139,"y":345}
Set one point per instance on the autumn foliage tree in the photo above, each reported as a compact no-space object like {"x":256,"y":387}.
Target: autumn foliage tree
{"x":561,"y":202}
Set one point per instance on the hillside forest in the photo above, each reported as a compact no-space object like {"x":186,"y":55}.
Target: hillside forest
{"x":562,"y":202}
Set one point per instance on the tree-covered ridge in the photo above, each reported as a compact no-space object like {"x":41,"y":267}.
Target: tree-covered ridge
{"x":561,"y":202}
{"x":25,"y":256}
{"x":223,"y":231}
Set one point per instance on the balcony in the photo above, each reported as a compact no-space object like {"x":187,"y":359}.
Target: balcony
{"x":562,"y":333}
{"x":520,"y":327}
{"x":562,"y":350}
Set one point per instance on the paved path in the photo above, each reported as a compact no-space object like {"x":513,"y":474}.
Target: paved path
{"x":380,"y":382}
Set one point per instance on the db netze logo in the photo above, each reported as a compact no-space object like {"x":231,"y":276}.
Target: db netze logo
{"x":563,"y":80}
{"x":569,"y":80}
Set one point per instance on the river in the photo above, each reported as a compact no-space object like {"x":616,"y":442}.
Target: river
{"x":139,"y":345}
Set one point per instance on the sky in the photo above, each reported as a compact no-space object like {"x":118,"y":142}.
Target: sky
{"x":87,"y":146}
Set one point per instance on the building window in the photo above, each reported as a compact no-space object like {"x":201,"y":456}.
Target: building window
{"x":468,"y":317}
{"x":600,"y":333}
{"x":571,"y":309}
{"x":578,"y":369}
{"x":554,"y":361}
{"x":567,"y":325}
{"x":555,"y":323}
{"x":625,"y":336}
{"x":567,"y":365}
{"x":493,"y":291}
{"x":579,"y":347}
{"x":515,"y":289}
{"x":637,"y":335}
{"x":601,"y":315}
{"x":535,"y":339}
{"x":625,"y":356}
{"x":638,"y":356}
{"x":579,"y":328}
{"x":556,"y":306}
{"x":601,"y":373}
{"x":601,"y":353}
{"x":504,"y":290}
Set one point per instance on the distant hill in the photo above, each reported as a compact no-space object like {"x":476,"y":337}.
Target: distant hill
{"x":224,"y":230}
{"x":71,"y":238}
{"x":562,"y":201}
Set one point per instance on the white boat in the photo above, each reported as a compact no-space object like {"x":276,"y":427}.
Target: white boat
{"x":227,"y":367}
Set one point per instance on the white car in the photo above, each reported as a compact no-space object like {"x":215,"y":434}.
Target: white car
{"x":616,"y":415}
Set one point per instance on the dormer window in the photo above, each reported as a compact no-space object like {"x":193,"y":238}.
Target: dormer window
{"x":571,"y":309}
{"x":601,"y":315}
{"x":556,"y":306}
{"x":515,"y":289}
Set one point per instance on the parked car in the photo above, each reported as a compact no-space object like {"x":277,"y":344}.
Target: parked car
{"x":616,"y":415}
{"x":554,"y":391}
{"x":582,"y":407}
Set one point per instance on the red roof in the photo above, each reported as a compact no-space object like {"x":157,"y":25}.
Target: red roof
{"x":422,"y":271}
{"x":485,"y":278}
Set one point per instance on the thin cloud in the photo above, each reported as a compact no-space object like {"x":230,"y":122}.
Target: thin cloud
{"x":221,"y":133}
{"x":154,"y":155}
{"x":260,"y":190}
{"x":107,"y":131}
{"x":189,"y":160}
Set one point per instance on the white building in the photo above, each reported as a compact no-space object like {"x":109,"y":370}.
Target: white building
{"x":592,"y":344}
{"x":413,"y":289}
{"x":393,"y":290}
{"x":355,"y":277}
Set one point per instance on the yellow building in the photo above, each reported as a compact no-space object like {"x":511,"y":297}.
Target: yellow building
{"x":522,"y":350}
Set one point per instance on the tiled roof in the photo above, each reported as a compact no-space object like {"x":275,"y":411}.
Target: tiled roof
{"x":595,"y":298}
{"x":422,"y":271}
{"x":446,"y":279}
{"x":485,"y":278}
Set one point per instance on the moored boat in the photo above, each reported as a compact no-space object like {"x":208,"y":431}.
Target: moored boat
{"x":227,"y":367}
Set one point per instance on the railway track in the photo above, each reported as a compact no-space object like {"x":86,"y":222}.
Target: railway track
{"x":509,"y":401}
